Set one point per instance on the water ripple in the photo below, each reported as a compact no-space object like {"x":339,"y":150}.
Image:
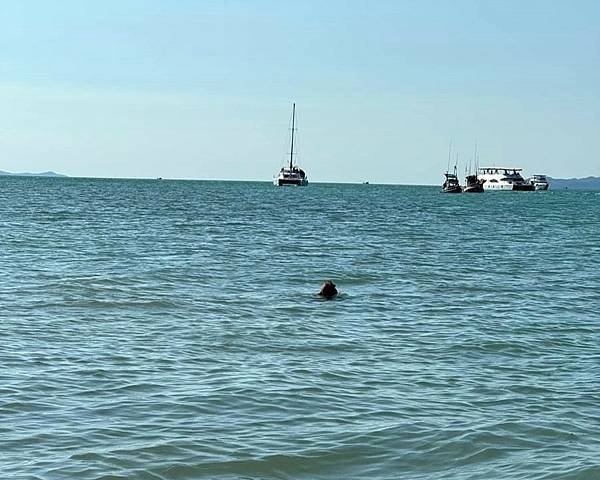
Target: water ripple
{"x":170,"y":330}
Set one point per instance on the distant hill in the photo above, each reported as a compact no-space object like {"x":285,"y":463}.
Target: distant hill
{"x":27,"y":174}
{"x":587,"y":183}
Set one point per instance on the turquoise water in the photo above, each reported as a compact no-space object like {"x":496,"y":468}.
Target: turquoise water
{"x":169,"y":330}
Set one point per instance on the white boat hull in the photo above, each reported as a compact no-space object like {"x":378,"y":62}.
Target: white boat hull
{"x":497,"y":186}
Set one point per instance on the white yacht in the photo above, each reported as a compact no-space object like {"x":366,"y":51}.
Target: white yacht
{"x":539,"y":182}
{"x":503,"y":179}
{"x":292,"y":174}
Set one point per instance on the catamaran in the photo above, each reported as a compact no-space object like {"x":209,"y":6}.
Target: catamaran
{"x":291,"y":174}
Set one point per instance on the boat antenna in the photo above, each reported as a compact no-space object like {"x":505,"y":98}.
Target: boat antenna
{"x":293,"y":128}
{"x":476,"y":162}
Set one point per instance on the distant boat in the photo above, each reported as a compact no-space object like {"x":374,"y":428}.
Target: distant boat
{"x":504,"y":179}
{"x":292,"y":174}
{"x":539,"y":182}
{"x":473,"y":184}
{"x":451,"y":184}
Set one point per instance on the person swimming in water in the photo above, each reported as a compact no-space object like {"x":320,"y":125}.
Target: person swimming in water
{"x":328,"y":290}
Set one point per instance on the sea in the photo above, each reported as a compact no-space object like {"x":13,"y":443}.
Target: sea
{"x":158,"y":329}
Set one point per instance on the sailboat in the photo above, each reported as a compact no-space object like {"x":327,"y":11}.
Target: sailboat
{"x":291,"y":174}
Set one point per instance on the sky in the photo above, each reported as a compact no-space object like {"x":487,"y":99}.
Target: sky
{"x":202,"y":89}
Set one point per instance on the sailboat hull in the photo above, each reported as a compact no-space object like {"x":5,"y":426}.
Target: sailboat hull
{"x":293,"y":182}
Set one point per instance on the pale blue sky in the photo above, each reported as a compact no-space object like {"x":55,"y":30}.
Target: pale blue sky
{"x":203,"y":89}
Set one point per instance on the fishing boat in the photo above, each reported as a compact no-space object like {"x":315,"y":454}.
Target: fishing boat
{"x":291,"y":174}
{"x":504,"y":179}
{"x":473,"y":184}
{"x":539,"y":182}
{"x":451,"y":184}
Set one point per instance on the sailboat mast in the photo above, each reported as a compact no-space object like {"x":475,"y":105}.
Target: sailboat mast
{"x":293,"y":128}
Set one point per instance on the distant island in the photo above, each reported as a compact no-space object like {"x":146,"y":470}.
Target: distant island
{"x":27,"y":174}
{"x":587,"y":183}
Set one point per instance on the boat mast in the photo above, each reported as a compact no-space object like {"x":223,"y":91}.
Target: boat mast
{"x":293,"y":127}
{"x":456,"y":164}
